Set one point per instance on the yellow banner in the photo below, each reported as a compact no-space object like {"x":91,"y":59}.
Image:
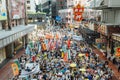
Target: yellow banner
{"x":15,"y":69}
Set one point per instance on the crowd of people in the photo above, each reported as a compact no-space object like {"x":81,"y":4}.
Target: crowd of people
{"x":60,"y":57}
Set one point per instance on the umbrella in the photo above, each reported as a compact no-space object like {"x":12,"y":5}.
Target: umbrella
{"x":72,"y":65}
{"x":82,"y":69}
{"x":80,"y":55}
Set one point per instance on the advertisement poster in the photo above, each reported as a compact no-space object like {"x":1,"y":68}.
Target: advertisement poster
{"x":3,"y":14}
{"x":17,"y":9}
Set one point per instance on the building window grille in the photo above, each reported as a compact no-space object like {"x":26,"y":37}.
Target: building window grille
{"x":28,"y":2}
{"x":28,"y":8}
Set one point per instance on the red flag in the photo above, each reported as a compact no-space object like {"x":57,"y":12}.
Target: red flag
{"x":68,"y":43}
{"x":65,"y":58}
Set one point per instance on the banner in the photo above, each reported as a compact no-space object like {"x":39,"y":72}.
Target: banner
{"x":15,"y":69}
{"x":78,"y":38}
{"x":65,"y":58}
{"x":3,"y":14}
{"x":78,"y":11}
{"x":17,"y":9}
{"x":18,"y":63}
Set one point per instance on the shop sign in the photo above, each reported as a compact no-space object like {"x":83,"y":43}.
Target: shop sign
{"x":3,"y":14}
{"x":78,"y":11}
{"x":117,"y":52}
{"x":100,"y":40}
{"x":102,"y":29}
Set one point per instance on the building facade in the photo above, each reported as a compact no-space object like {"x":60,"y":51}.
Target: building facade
{"x":106,"y":25}
{"x":47,"y":7}
{"x":30,"y":5}
{"x":14,"y":33}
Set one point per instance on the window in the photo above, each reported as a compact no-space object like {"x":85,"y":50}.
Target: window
{"x":28,"y":8}
{"x":28,"y":2}
{"x":61,"y":2}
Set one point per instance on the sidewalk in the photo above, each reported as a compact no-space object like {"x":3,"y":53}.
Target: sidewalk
{"x":6,"y":71}
{"x":111,"y":65}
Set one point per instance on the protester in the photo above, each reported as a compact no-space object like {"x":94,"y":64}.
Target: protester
{"x":57,"y":54}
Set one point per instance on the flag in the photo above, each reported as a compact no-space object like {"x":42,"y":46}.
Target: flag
{"x":57,"y":44}
{"x":44,"y":47}
{"x":69,"y":54}
{"x":27,"y":50}
{"x":18,"y":63}
{"x":62,"y":55}
{"x":65,"y":58}
{"x":39,"y":47}
{"x":68,"y":43}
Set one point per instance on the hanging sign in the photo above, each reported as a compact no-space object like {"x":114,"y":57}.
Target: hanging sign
{"x":78,"y":11}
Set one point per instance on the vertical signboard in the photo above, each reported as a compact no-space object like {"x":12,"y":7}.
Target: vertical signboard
{"x":17,"y":9}
{"x":78,"y":11}
{"x":3,"y":14}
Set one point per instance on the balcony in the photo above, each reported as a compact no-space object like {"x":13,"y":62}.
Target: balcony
{"x":106,"y":4}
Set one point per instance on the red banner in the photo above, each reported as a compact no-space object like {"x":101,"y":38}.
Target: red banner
{"x":117,"y":52}
{"x":78,"y":11}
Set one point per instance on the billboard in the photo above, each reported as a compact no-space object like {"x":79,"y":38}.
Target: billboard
{"x":3,"y":13}
{"x":17,"y":9}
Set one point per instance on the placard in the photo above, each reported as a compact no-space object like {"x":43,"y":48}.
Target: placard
{"x":100,"y":40}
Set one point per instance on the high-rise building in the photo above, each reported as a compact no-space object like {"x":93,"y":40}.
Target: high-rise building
{"x":31,"y":5}
{"x":47,"y":7}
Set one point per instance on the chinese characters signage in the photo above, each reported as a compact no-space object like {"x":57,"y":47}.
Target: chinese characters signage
{"x":3,"y":15}
{"x":17,"y":9}
{"x":102,"y":29}
{"x":78,"y":11}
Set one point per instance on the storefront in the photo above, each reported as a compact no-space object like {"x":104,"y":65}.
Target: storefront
{"x":101,"y":42}
{"x":115,"y":44}
{"x":2,"y":55}
{"x":18,"y":44}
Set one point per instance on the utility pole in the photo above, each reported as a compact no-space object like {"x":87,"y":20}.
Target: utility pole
{"x":8,"y":14}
